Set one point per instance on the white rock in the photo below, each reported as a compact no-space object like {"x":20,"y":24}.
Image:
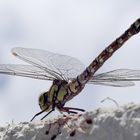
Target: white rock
{"x":122,"y":123}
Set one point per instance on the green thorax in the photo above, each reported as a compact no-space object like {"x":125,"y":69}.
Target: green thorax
{"x":58,"y":91}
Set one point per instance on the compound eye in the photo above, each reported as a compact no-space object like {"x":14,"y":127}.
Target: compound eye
{"x":45,"y":98}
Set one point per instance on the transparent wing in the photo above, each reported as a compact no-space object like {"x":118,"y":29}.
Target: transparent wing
{"x":59,"y":66}
{"x":25,"y":71}
{"x":118,"y":78}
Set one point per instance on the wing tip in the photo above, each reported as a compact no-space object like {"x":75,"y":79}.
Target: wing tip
{"x":14,"y":54}
{"x":14,"y":51}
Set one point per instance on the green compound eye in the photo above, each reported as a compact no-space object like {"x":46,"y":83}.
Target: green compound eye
{"x":43,"y":101}
{"x":45,"y":98}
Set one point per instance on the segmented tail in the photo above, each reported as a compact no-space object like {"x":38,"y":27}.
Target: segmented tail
{"x":78,"y":83}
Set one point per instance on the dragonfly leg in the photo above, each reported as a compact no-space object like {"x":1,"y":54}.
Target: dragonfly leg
{"x":38,"y":114}
{"x":70,"y":110}
{"x":48,"y":113}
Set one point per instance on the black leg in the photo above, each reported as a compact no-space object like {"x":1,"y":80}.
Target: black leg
{"x":38,"y":114}
{"x":47,"y":114}
{"x":71,"y":108}
{"x":68,"y":110}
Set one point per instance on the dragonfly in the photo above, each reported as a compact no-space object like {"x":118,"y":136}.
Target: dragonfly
{"x":68,"y":74}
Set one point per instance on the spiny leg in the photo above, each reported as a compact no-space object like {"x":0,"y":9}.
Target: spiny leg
{"x":73,"y":108}
{"x":48,"y":113}
{"x":69,"y":110}
{"x":38,"y":114}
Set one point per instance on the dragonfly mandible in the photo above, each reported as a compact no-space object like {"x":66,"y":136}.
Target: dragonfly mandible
{"x":68,"y":74}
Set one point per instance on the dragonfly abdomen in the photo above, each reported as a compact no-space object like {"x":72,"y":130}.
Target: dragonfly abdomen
{"x":88,"y":73}
{"x":110,"y":50}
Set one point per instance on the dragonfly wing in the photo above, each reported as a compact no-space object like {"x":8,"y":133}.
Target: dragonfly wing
{"x":25,"y":71}
{"x":118,"y":78}
{"x":112,"y":83}
{"x":59,"y":66}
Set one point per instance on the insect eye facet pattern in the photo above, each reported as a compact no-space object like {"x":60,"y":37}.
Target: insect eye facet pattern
{"x":68,"y":74}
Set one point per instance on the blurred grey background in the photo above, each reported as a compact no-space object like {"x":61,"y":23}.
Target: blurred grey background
{"x":78,"y":28}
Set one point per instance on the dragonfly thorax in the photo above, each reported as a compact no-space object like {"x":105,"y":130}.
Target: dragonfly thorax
{"x":55,"y":96}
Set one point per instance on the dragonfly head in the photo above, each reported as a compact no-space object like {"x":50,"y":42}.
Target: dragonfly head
{"x":44,"y":101}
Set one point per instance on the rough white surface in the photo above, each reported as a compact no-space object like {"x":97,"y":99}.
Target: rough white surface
{"x":122,"y":123}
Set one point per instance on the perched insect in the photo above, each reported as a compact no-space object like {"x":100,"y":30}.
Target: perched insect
{"x":68,"y":74}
